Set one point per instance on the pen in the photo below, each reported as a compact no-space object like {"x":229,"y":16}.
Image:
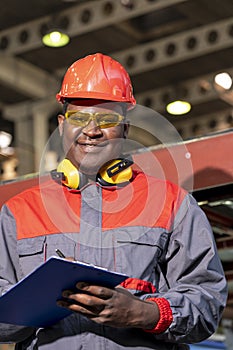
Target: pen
{"x":59,"y":253}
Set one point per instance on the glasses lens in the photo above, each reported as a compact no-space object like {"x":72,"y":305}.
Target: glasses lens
{"x":103,"y":120}
{"x":78,"y":118}
{"x":108,"y":120}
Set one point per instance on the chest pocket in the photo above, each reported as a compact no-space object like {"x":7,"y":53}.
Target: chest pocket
{"x":139,"y":256}
{"x":31,"y":253}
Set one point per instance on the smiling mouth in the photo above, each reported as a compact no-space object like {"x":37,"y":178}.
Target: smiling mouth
{"x":91,"y":144}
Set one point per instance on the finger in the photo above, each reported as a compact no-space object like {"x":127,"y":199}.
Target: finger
{"x":99,"y":291}
{"x":84,"y":299}
{"x":72,"y":305}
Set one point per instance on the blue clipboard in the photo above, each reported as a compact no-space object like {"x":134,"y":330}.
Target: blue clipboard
{"x":32,"y":301}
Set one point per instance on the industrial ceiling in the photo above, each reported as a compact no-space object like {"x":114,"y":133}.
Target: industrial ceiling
{"x":172,"y":49}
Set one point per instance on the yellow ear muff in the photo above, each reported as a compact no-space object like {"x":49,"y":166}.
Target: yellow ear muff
{"x":115,"y":172}
{"x":71,"y":176}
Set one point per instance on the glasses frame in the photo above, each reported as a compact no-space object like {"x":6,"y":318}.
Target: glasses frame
{"x":93,"y":117}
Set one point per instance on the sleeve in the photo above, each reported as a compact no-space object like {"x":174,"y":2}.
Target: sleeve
{"x":193,"y":289}
{"x":10,"y":273}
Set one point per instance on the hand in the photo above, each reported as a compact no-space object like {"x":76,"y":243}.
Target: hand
{"x":112,"y":307}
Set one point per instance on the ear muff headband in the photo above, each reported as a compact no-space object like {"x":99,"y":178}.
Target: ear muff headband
{"x":115,"y":172}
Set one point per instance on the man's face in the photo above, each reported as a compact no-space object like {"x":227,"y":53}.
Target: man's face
{"x":89,"y":147}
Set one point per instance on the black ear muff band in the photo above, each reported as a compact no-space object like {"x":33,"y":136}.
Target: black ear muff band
{"x":57,"y":176}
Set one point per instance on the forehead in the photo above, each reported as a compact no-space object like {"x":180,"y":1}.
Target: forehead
{"x":92,"y":107}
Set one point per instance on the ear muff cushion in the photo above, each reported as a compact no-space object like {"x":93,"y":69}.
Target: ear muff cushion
{"x":121,"y":177}
{"x":71,"y":174}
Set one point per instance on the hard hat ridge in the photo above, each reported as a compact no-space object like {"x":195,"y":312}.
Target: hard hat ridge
{"x":97,"y":76}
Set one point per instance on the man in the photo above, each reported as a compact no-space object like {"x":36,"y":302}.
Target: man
{"x":125,"y":221}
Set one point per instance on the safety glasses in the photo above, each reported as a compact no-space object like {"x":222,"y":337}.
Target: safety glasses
{"x":102,"y":120}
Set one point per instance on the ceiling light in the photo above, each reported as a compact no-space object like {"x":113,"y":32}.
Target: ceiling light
{"x":226,"y":202}
{"x":178,"y":107}
{"x":128,"y":3}
{"x":5,"y":139}
{"x":6,"y":131}
{"x":55,"y":38}
{"x":224,"y":80}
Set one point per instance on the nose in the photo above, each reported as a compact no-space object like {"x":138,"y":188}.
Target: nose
{"x":92,"y":130}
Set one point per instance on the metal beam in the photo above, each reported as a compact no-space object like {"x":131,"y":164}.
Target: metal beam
{"x":190,"y":127}
{"x":198,"y":90}
{"x":24,"y":110}
{"x":139,"y":54}
{"x":26,"y":78}
{"x":156,"y":54}
{"x":82,"y":19}
{"x":177,"y":48}
{"x":213,"y":168}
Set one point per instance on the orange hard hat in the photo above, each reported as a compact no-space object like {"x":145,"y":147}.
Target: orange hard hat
{"x":99,"y":77}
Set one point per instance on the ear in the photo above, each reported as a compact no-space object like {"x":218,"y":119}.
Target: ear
{"x":61,"y":120}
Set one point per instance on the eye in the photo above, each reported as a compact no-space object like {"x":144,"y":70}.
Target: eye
{"x":79,"y":118}
{"x":109,"y":119}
